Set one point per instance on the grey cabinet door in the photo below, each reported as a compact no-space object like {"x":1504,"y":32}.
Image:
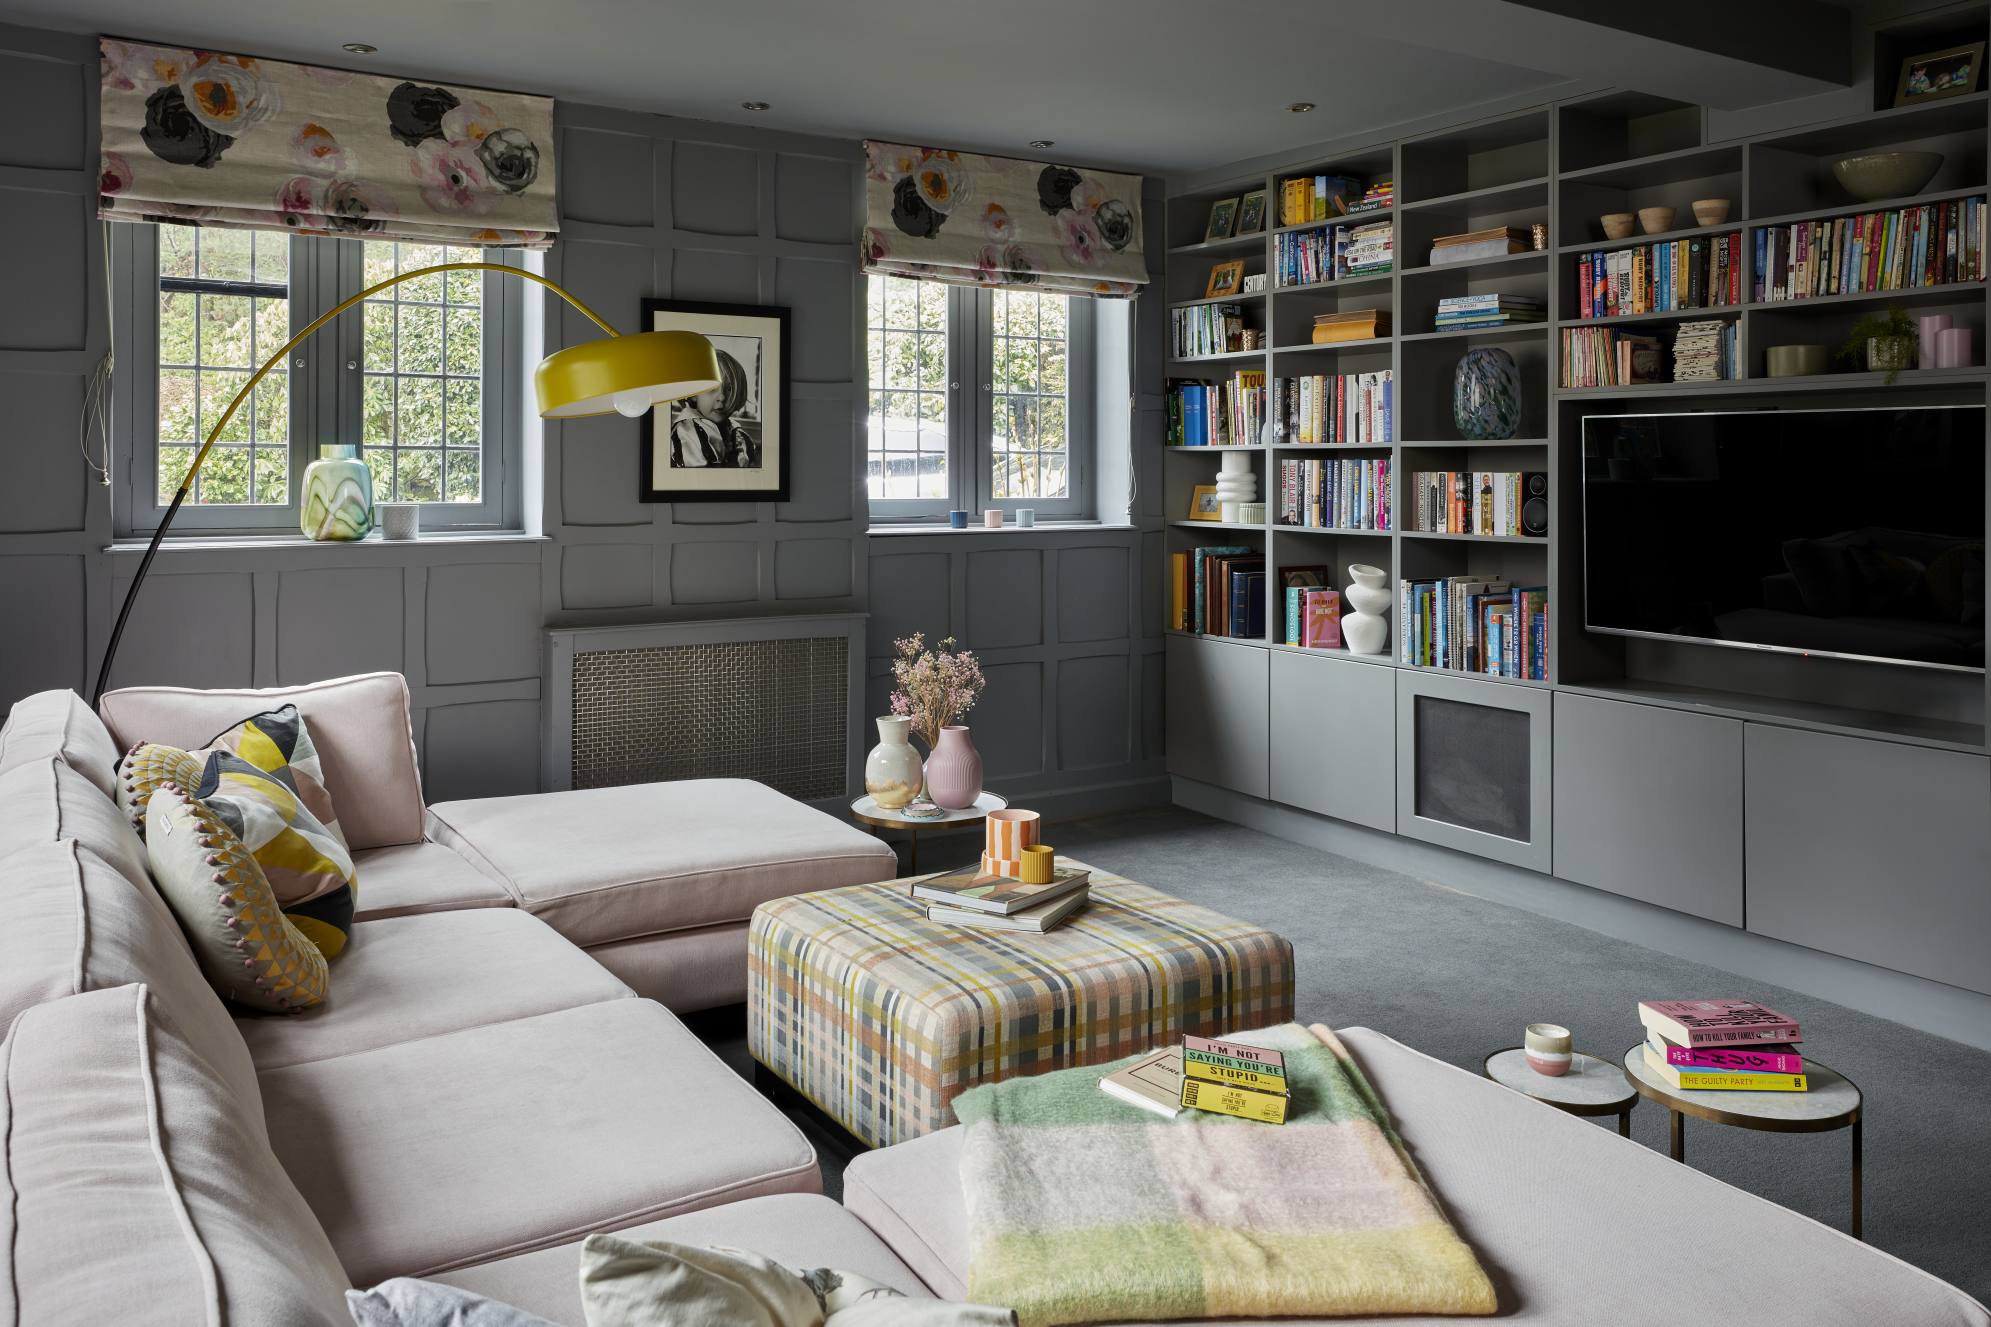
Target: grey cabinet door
{"x":1874,"y":850}
{"x":1648,"y":804}
{"x":1472,"y":765}
{"x":1218,"y":699}
{"x":1334,"y":738}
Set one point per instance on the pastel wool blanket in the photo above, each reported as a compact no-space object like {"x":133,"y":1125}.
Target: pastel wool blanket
{"x":1082,"y":1208}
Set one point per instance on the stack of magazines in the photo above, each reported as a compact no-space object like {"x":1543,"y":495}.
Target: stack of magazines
{"x":969,"y":897}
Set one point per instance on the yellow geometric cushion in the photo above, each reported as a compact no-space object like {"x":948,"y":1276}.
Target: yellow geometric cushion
{"x":248,"y":949}
{"x":144,"y":769}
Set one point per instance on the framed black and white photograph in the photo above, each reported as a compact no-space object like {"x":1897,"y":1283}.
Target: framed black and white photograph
{"x":729,"y":444}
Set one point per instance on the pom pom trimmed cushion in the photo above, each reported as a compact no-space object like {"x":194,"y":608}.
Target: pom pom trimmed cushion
{"x":248,"y":950}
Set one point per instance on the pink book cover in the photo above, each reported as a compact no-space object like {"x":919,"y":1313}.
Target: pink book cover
{"x":1725,"y":1022}
{"x":1772,"y":1058}
{"x":1320,"y":620}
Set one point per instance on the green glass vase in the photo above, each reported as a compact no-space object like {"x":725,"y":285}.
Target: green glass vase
{"x":338,"y":495}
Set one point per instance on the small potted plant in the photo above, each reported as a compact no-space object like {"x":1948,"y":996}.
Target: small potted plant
{"x":1881,"y":342}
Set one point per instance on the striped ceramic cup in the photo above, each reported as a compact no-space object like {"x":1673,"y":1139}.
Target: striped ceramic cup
{"x":1010,"y":831}
{"x":1547,"y":1048}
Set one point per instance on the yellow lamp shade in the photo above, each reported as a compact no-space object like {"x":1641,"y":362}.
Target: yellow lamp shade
{"x":629,"y":374}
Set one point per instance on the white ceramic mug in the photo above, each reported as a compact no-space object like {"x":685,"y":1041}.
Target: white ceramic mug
{"x":1547,"y":1047}
{"x":399,"y":520}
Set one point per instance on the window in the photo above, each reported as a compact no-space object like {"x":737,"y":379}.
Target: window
{"x":978,"y":398}
{"x":421,"y":378}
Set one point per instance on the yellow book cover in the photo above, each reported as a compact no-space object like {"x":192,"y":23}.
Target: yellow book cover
{"x":1236,"y":1101}
{"x":1229,"y":1075}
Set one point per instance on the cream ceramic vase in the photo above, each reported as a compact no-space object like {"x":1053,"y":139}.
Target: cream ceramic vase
{"x":1366,"y":628}
{"x":892,"y":772}
{"x":954,"y":770}
{"x":338,"y":496}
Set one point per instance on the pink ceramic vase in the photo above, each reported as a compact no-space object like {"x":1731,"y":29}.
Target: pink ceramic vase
{"x":954,"y":770}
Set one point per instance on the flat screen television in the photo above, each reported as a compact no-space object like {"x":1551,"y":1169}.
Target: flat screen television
{"x":1854,"y":533}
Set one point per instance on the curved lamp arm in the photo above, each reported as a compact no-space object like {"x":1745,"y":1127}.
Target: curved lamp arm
{"x":310,"y":329}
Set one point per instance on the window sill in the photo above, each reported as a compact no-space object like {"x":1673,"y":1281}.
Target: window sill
{"x":1007,"y":527}
{"x":263,"y":543}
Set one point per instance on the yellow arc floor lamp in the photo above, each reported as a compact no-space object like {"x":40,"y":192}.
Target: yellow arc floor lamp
{"x":616,"y":374}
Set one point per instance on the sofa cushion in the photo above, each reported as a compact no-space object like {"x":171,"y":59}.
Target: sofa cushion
{"x":796,"y":1230}
{"x":496,"y":1140}
{"x":1479,"y":1147}
{"x":244,"y":944}
{"x":46,"y":800}
{"x":137,"y":1187}
{"x":411,"y":878}
{"x":610,"y":863}
{"x":360,"y":725}
{"x":684,"y":971}
{"x":73,"y":923}
{"x":59,"y":724}
{"x":404,"y":978}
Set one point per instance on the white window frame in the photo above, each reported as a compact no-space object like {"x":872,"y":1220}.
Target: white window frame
{"x":325,"y":390}
{"x":971,"y":397}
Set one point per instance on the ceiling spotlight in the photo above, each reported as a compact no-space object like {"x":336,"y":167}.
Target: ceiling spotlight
{"x":1300,"y":107}
{"x":1042,"y":142}
{"x":753,"y":105}
{"x":360,"y":47}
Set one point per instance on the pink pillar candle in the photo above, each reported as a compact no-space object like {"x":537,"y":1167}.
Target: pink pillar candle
{"x":1930,"y":324}
{"x":1954,"y":349}
{"x":993,"y":518}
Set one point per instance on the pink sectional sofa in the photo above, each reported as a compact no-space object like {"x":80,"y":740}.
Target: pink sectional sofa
{"x":480,"y":1092}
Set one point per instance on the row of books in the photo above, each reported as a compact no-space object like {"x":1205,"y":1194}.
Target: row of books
{"x":1469,"y":501}
{"x":1695,"y":273}
{"x":1931,"y":245}
{"x":970,"y":896}
{"x":1475,"y":625}
{"x":1346,"y":494}
{"x":1612,"y":357}
{"x":1351,"y":325}
{"x":1458,"y":312}
{"x":1312,"y":608}
{"x":1335,"y":409}
{"x":1217,"y":413}
{"x":1722,"y":1046}
{"x":1471,"y":246}
{"x":1205,"y":329}
{"x":1218,"y":591}
{"x":1306,"y":198}
{"x":1218,"y":1077}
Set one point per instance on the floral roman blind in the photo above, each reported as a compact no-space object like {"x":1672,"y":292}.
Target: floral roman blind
{"x":229,"y":140}
{"x":996,"y":221}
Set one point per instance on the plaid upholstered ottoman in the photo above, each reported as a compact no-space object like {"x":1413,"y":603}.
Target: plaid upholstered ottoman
{"x":881,"y":1018}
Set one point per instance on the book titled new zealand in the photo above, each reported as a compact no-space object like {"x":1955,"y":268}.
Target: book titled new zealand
{"x":968,"y":887}
{"x":1697,"y":1023}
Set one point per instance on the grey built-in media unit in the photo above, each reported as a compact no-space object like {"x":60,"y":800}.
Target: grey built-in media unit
{"x":1830,"y":803}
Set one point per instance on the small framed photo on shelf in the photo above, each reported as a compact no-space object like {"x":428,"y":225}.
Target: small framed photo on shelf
{"x":1251,"y":213}
{"x":1223,"y":220}
{"x":1225,"y":279}
{"x":1203,"y":504}
{"x":1953,"y":72}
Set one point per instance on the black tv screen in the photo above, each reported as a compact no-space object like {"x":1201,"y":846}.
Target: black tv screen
{"x":1857,"y":533}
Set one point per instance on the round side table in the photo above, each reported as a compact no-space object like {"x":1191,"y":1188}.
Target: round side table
{"x":1832,"y":1102}
{"x":1591,"y":1087}
{"x":866,"y":811}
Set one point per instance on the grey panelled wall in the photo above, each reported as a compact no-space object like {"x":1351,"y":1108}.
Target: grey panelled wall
{"x":651,"y":206}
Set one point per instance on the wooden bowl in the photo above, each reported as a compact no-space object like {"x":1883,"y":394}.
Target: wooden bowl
{"x":1616,"y":225}
{"x":1653,"y":220}
{"x":1711,"y":211}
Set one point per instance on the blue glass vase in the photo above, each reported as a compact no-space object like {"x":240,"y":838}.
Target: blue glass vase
{"x":1486,"y":394}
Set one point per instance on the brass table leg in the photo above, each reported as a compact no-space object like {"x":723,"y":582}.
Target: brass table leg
{"x":1858,"y":1221}
{"x":1679,"y":1136}
{"x":1625,"y":1123}
{"x":912,"y":852}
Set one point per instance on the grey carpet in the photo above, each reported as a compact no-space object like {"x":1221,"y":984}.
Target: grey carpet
{"x":1456,"y":976}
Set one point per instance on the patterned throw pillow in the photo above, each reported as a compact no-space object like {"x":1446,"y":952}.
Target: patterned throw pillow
{"x":247,"y":948}
{"x":144,"y":770}
{"x":262,"y":779}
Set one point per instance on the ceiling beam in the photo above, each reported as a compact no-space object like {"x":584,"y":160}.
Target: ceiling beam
{"x":1725,"y":53}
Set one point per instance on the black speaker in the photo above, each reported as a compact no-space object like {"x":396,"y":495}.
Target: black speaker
{"x":1535,"y":503}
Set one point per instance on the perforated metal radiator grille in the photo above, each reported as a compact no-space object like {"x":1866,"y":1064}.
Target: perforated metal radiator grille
{"x":771,"y":710}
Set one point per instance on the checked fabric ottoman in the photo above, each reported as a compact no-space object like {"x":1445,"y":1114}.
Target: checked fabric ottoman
{"x":881,"y":1018}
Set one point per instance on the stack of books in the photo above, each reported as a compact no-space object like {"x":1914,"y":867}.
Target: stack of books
{"x":1467,"y":501}
{"x":1354,"y":325}
{"x":1495,"y":242}
{"x":1205,"y":329}
{"x":1313,"y":608}
{"x":1317,"y":198}
{"x":1335,"y":495}
{"x":1378,"y":197}
{"x":1704,"y":351}
{"x":1459,"y":312}
{"x":1932,"y":245}
{"x":1307,"y":257}
{"x":1721,"y":1046}
{"x":1351,"y":409}
{"x":1610,"y":357}
{"x":1219,"y":1077}
{"x":1371,"y":250}
{"x":1660,"y":278}
{"x":1218,"y":591}
{"x":1473,"y":625}
{"x":968,"y":897}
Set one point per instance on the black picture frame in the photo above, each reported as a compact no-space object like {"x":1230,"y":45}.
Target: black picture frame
{"x":723,"y":322}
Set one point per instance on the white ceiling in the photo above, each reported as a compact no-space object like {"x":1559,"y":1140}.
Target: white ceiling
{"x":1158,"y":85}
